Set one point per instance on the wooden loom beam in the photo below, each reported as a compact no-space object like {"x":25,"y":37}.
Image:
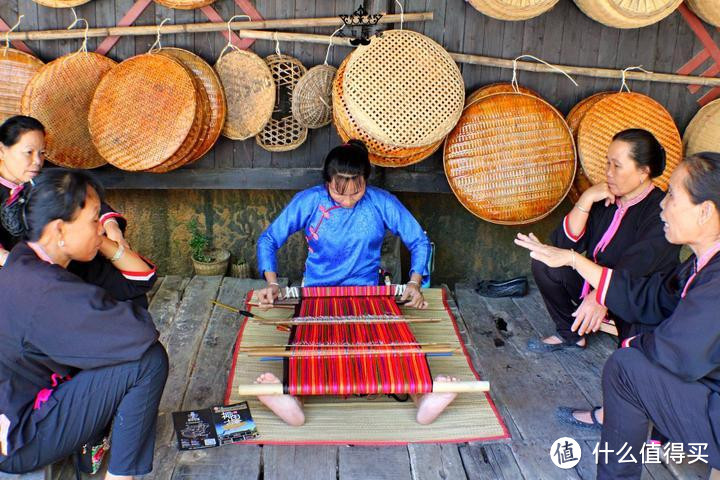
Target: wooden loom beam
{"x":472,"y":386}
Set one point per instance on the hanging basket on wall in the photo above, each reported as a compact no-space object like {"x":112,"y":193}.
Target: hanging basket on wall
{"x":703,"y":132}
{"x":312,"y":97}
{"x":282,"y":132}
{"x":59,"y":95}
{"x":708,"y":10}
{"x":491,"y":88}
{"x":513,"y":9}
{"x":16,"y":69}
{"x":627,"y":14}
{"x":184,"y":4}
{"x":511,"y":158}
{"x":621,"y":111}
{"x":61,"y":3}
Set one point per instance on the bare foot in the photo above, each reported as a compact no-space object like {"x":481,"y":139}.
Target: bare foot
{"x":287,"y":407}
{"x":555,"y":340}
{"x":584,"y":416}
{"x":431,"y":405}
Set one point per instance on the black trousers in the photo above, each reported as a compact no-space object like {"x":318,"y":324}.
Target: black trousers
{"x":561,"y":289}
{"x":127,"y":395}
{"x":636,"y":392}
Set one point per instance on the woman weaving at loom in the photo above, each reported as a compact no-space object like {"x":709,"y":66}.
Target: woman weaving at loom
{"x":344,"y":222}
{"x":682,"y":354}
{"x":72,"y":355}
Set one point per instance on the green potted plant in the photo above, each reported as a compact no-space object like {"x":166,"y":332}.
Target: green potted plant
{"x":206,"y":260}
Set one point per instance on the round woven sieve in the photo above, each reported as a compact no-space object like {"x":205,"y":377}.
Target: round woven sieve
{"x":16,"y":70}
{"x":497,"y":88}
{"x":627,"y":13}
{"x":312,"y":97}
{"x":703,"y":132}
{"x":513,"y":9}
{"x":184,"y":4}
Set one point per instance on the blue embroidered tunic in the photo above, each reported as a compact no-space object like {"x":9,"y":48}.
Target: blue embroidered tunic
{"x":344,"y":243}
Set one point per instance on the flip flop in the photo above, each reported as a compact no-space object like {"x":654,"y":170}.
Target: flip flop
{"x":565,"y":415}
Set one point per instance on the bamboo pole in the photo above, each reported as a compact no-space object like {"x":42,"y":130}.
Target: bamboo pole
{"x":473,"y":386}
{"x":241,"y":27}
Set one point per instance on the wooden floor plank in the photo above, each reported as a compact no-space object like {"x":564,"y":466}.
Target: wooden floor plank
{"x":154,"y":289}
{"x":166,"y":301}
{"x":430,"y":461}
{"x":288,"y":461}
{"x":494,"y":461}
{"x":529,"y":386}
{"x":236,"y":462}
{"x":533,"y":457}
{"x":379,"y":463}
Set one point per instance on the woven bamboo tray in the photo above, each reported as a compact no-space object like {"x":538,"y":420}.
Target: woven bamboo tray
{"x":214,"y":93}
{"x":618,"y":112}
{"x":59,"y":95}
{"x":510,"y":159}
{"x":16,"y":70}
{"x":627,"y":14}
{"x":282,"y":132}
{"x":581,"y":182}
{"x":377,"y":149}
{"x":142,"y":112}
{"x":703,"y":132}
{"x":708,"y":10}
{"x":497,"y":88}
{"x":61,"y":3}
{"x":184,"y":4}
{"x":404,"y":89}
{"x":513,"y":9}
{"x":312,"y":97}
{"x":249,"y":91}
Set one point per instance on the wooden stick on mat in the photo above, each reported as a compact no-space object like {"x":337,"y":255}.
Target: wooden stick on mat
{"x":473,"y":386}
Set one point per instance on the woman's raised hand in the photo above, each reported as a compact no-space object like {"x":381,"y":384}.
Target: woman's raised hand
{"x":551,"y":256}
{"x":598,"y":193}
{"x":267,"y":295}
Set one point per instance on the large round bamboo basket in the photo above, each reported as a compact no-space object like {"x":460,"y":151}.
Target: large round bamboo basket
{"x":703,"y":132}
{"x":184,"y":4}
{"x":708,"y":10}
{"x":581,"y":182}
{"x":282,"y":132}
{"x":142,"y":111}
{"x":59,"y":95}
{"x":312,"y":97}
{"x":61,"y":3}
{"x":16,"y":70}
{"x":249,"y":92}
{"x":510,"y":159}
{"x":491,"y":88}
{"x":382,"y":153}
{"x":627,"y":14}
{"x":618,"y":112}
{"x":404,"y":89}
{"x":513,"y":9}
{"x":213,"y":90}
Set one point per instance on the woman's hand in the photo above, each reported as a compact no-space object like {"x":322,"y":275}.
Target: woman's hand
{"x":597,"y":193}
{"x":114,"y":233}
{"x":3,"y":256}
{"x":551,"y":256}
{"x":268,"y":295}
{"x":414,"y":297}
{"x":589,"y":315}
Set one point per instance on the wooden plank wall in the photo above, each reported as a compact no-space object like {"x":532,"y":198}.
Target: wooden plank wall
{"x":563,"y":35}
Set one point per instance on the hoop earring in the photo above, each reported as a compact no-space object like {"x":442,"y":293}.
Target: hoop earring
{"x":61,"y":243}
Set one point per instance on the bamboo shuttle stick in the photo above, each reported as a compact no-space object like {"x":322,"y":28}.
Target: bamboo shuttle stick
{"x":241,"y":27}
{"x":473,"y":386}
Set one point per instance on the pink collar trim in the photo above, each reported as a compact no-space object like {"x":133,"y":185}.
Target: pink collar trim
{"x":636,"y":200}
{"x":40,"y":252}
{"x":699,"y":264}
{"x":7,"y":183}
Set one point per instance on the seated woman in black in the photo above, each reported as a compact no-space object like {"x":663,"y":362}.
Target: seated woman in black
{"x":617,"y":224}
{"x":670,"y":376}
{"x":22,"y":156}
{"x":73,"y":359}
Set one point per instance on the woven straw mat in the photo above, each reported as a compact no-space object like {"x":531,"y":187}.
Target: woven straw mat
{"x":384,"y":154}
{"x":404,"y":89}
{"x":708,"y":10}
{"x":368,"y":420}
{"x":513,"y":9}
{"x":184,"y":4}
{"x":282,"y":132}
{"x":312,"y":97}
{"x":618,"y":112}
{"x":510,"y":159}
{"x":627,"y":13}
{"x":497,"y":88}
{"x":703,"y":132}
{"x":142,"y":111}
{"x":201,"y":124}
{"x":61,"y":3}
{"x":213,"y":90}
{"x":249,"y":91}
{"x":59,"y":95}
{"x":16,"y":70}
{"x":581,"y":182}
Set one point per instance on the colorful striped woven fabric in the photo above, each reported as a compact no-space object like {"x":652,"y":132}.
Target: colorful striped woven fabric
{"x":359,"y":291}
{"x":346,"y":370}
{"x":348,"y":306}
